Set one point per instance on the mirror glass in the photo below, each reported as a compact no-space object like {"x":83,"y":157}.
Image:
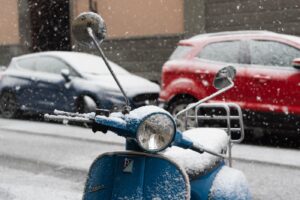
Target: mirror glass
{"x":91,"y":20}
{"x":224,"y":77}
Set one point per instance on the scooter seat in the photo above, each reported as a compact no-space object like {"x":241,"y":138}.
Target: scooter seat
{"x":195,"y":163}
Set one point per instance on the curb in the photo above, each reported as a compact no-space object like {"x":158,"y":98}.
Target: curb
{"x":261,"y":156}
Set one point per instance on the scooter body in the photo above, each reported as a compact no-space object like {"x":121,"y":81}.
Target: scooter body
{"x":135,"y":175}
{"x":175,"y":173}
{"x":160,"y":161}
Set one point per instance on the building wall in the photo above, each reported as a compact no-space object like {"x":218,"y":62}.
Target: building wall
{"x":141,"y":34}
{"x":275,"y":15}
{"x":136,"y":18}
{"x":10,"y":40}
{"x":9,"y":23}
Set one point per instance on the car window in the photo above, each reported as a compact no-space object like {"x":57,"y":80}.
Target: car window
{"x":179,"y":52}
{"x":221,"y":51}
{"x":272,"y":53}
{"x":52,"y":65}
{"x":26,"y":63}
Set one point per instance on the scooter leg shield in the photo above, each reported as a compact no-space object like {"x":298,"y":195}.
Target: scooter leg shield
{"x":133,"y":175}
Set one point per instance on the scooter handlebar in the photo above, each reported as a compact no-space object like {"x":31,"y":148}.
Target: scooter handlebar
{"x":99,"y":122}
{"x":64,"y":118}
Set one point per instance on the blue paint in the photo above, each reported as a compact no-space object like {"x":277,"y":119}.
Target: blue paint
{"x":151,"y":177}
{"x":127,"y":125}
{"x":180,"y":141}
{"x":200,"y":187}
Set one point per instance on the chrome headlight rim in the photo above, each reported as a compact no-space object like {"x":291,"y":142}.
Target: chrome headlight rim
{"x":167,"y":144}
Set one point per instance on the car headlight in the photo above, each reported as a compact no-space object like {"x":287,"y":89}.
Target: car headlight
{"x":156,"y":132}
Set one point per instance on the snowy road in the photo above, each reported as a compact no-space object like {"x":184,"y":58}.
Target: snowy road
{"x":43,"y":161}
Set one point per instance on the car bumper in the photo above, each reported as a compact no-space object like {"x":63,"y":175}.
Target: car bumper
{"x":162,"y":104}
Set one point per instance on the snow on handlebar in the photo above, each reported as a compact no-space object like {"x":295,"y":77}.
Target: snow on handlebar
{"x":62,"y":116}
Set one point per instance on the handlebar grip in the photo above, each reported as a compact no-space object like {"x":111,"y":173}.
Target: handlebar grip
{"x":98,"y":127}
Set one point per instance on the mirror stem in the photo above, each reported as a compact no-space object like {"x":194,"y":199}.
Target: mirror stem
{"x":127,"y":108}
{"x":193,"y":105}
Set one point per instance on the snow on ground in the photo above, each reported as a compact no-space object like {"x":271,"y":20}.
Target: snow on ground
{"x":24,"y":185}
{"x":61,"y":143}
{"x":289,"y":157}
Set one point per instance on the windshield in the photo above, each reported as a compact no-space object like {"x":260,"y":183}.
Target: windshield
{"x":93,"y":65}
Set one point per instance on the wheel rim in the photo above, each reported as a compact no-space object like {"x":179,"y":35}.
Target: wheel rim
{"x":8,"y":105}
{"x":180,"y":121}
{"x":87,"y":104}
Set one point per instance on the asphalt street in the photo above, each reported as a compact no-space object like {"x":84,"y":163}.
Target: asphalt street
{"x":49,"y":161}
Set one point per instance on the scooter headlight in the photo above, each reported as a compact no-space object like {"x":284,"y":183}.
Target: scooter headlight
{"x":156,"y":132}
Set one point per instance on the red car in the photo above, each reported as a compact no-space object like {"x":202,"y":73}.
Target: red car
{"x":267,"y":85}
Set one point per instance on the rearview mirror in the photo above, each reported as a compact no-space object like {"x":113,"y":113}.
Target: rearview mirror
{"x":224,"y":77}
{"x":223,"y":81}
{"x":296,"y":63}
{"x":83,"y":22}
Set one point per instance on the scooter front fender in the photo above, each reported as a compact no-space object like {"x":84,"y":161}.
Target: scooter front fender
{"x":230,"y":184}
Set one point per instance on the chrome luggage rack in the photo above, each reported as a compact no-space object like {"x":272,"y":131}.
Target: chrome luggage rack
{"x":231,"y":113}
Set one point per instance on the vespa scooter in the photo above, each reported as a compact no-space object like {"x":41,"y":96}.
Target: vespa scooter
{"x":160,"y":162}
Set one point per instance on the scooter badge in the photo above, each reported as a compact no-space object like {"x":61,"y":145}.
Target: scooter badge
{"x":128,"y":165}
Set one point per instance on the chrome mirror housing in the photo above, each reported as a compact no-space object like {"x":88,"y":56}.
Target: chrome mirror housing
{"x":224,"y":77}
{"x":86,"y":21}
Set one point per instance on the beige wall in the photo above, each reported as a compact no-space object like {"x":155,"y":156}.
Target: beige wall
{"x":134,"y":18}
{"x":80,"y":6}
{"x":9,"y":24}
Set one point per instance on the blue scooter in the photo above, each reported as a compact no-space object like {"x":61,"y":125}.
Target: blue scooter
{"x":160,"y":162}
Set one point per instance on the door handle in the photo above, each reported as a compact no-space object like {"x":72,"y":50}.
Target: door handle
{"x":262,"y":78}
{"x":201,"y":71}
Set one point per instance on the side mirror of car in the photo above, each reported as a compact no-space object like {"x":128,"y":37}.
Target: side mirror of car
{"x":85,"y":22}
{"x":296,"y":63}
{"x":224,"y":77}
{"x":66,"y":74}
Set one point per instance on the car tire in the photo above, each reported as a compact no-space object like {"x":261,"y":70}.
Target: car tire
{"x":8,"y":105}
{"x":177,"y":106}
{"x":86,"y":104}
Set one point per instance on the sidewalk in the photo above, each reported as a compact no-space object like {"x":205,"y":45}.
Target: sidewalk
{"x":249,"y":153}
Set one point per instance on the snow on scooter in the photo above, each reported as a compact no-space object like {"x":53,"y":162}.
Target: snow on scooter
{"x":160,"y":162}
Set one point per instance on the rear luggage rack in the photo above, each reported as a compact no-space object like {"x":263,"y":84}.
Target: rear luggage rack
{"x":225,"y":114}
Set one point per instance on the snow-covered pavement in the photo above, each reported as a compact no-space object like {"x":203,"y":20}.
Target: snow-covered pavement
{"x":48,"y":155}
{"x":271,"y":155}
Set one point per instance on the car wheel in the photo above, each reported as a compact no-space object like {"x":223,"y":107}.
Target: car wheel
{"x":86,"y":104}
{"x":179,"y":105}
{"x":8,"y":105}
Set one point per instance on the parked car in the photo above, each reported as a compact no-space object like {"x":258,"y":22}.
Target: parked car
{"x":70,"y":81}
{"x":267,"y":85}
{"x":2,"y":68}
